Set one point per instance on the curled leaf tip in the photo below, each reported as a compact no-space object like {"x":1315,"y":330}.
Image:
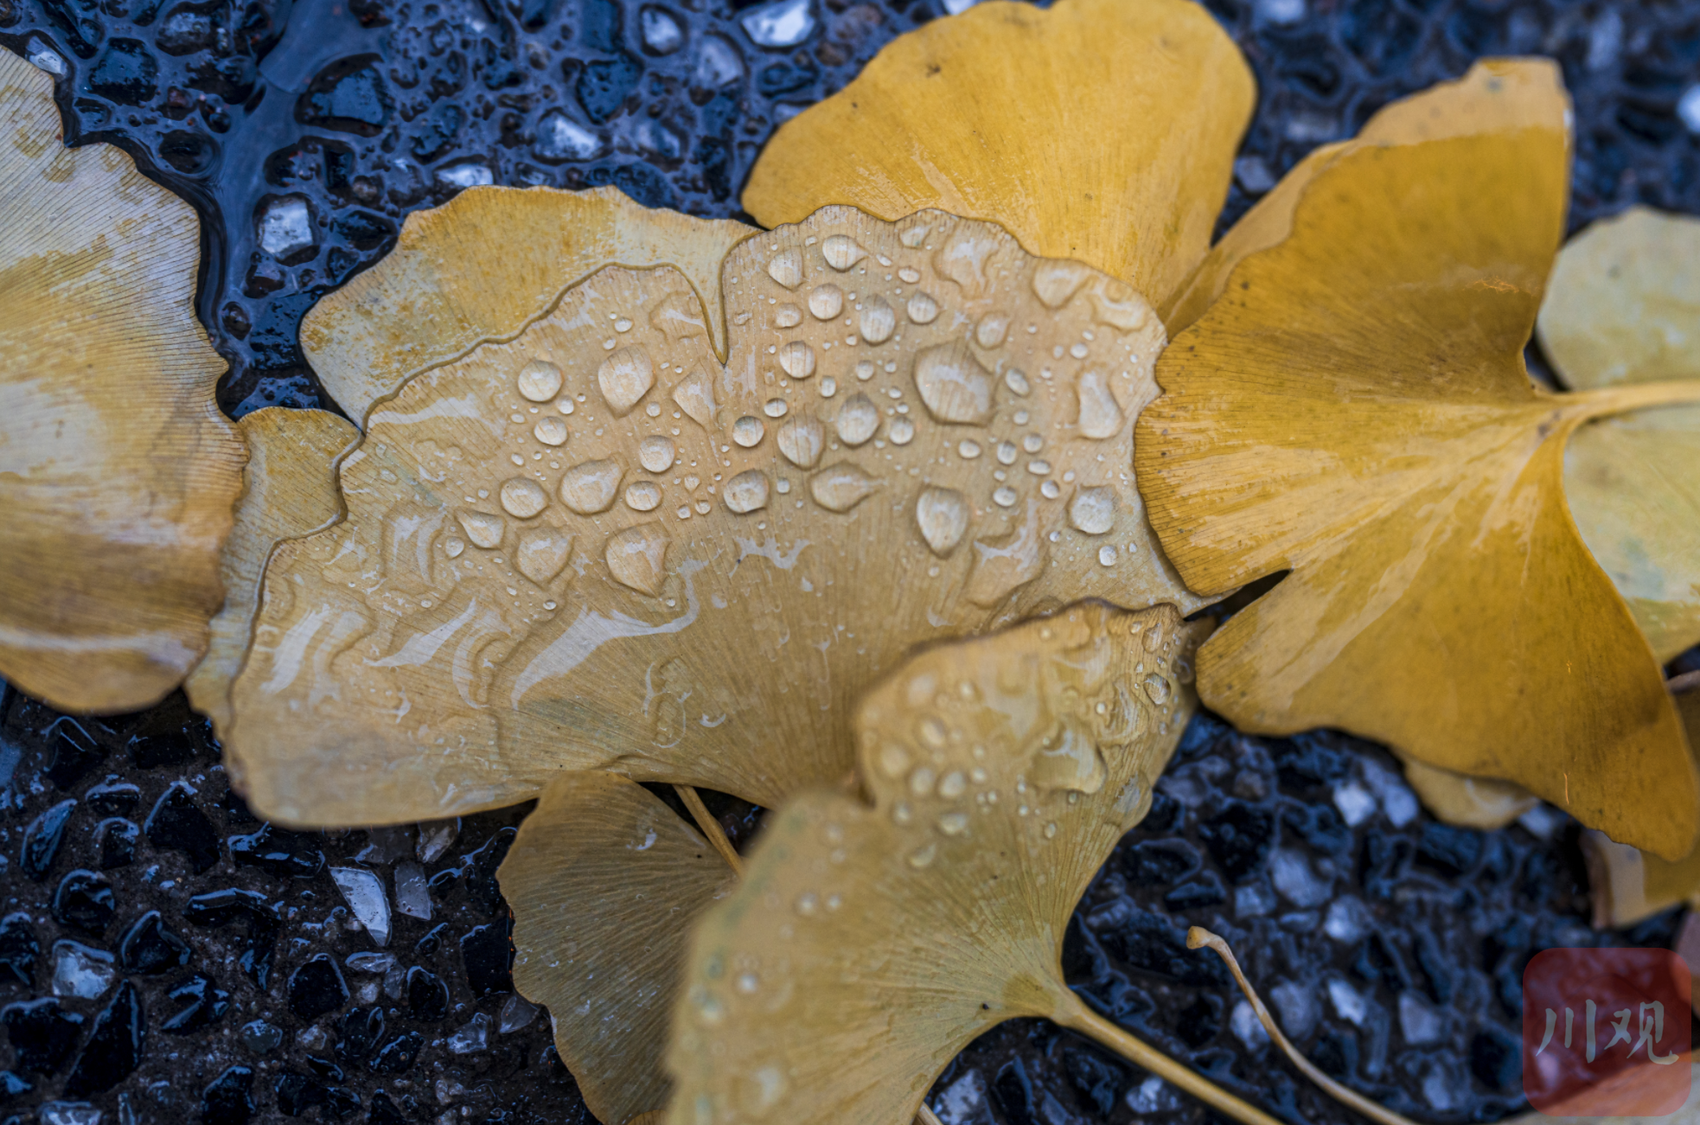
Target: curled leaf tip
{"x":109,"y":563}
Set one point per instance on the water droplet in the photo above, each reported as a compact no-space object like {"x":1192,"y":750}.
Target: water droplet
{"x":968,"y":450}
{"x":746,"y":492}
{"x":1077,"y":350}
{"x":637,"y":557}
{"x":550,"y":431}
{"x":1004,"y":497}
{"x":826,"y":301}
{"x":643,"y":496}
{"x":991,"y":330}
{"x":710,"y":1011}
{"x":1016,"y":382}
{"x":539,"y":380}
{"x":953,"y":385}
{"x":902,"y":431}
{"x":1157,"y":688}
{"x":953,"y":823}
{"x":1051,"y":830}
{"x":657,"y":454}
{"x":865,"y":370}
{"x":591,"y":486}
{"x":878,"y":320}
{"x":565,"y":406}
{"x":922,"y":309}
{"x":801,"y":440}
{"x":857,"y":419}
{"x":1032,"y":443}
{"x":952,"y":785}
{"x":747,"y":983}
{"x":1055,"y":281}
{"x":453,"y":548}
{"x":786,"y":268}
{"x":894,"y":760}
{"x":1039,"y":468}
{"x":787,"y":316}
{"x":921,"y":781}
{"x":842,"y":252}
{"x":901,"y":813}
{"x":1007,"y":453}
{"x":624,"y":378}
{"x":828,"y":386}
{"x":484,"y":530}
{"x":1106,"y":555}
{"x":1068,"y":758}
{"x":1093,"y":510}
{"x":942,"y":515}
{"x":924,"y":855}
{"x":748,"y":431}
{"x":695,"y":396}
{"x":841,"y":487}
{"x":523,"y":498}
{"x":1100,"y":415}
{"x":908,"y":275}
{"x":798,"y":359}
{"x":1050,"y":491}
{"x":775,"y":408}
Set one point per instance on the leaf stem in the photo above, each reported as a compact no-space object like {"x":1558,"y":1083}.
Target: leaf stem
{"x":1071,"y":1013}
{"x":1199,"y":936}
{"x":1602,"y":402}
{"x":711,"y":828}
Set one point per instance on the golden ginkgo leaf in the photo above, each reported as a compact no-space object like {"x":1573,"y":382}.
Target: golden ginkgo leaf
{"x":595,"y":546}
{"x":288,"y":488}
{"x":1100,"y":130}
{"x":605,"y":881}
{"x":484,"y":266}
{"x":1354,"y":409}
{"x":1483,"y":803}
{"x":117,"y":471}
{"x":867,"y":945}
{"x":1623,"y":307}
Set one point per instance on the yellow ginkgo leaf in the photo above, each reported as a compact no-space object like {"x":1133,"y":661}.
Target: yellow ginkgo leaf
{"x":484,"y":266}
{"x":117,"y":471}
{"x":288,"y":489}
{"x":1482,"y":803}
{"x":867,"y":944}
{"x":1623,"y":307}
{"x":1100,"y":130}
{"x":605,"y":881}
{"x":595,"y":546}
{"x":1354,"y":409}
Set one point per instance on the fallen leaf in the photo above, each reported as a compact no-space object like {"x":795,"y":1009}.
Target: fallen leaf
{"x":484,"y":266}
{"x":1099,"y":130}
{"x":109,"y":565}
{"x":593,"y":546}
{"x":1623,"y":307}
{"x":1482,"y":803}
{"x":605,"y":880}
{"x":289,"y":488}
{"x":1354,"y":409}
{"x":867,"y":944}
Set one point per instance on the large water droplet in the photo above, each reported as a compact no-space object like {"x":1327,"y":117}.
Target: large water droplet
{"x":637,"y":557}
{"x":953,"y":385}
{"x":550,"y":431}
{"x":922,"y":309}
{"x":657,"y":454}
{"x":483,"y":529}
{"x":1055,"y":281}
{"x":991,"y":330}
{"x":786,"y":268}
{"x":963,"y":258}
{"x":1157,"y":688}
{"x":841,"y":487}
{"x":857,"y":420}
{"x":878,"y":320}
{"x":542,"y":552}
{"x":539,"y":380}
{"x":747,"y":491}
{"x":625,"y":377}
{"x":826,"y":301}
{"x":1100,"y":415}
{"x":942,"y":515}
{"x":798,"y":359}
{"x":902,"y":431}
{"x":801,"y":440}
{"x":523,"y":498}
{"x":1093,"y":510}
{"x":842,"y":252}
{"x":1107,"y":555}
{"x":748,"y":431}
{"x":643,"y":496}
{"x":590,"y":487}
{"x":1068,"y":758}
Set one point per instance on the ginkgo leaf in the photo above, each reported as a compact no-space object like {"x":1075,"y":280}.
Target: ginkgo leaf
{"x":1354,"y":409}
{"x":1100,"y":130}
{"x":117,"y":471}
{"x":288,"y":489}
{"x":1623,"y":307}
{"x":485,"y":265}
{"x":605,"y":881}
{"x":867,"y":944}
{"x":594,"y":546}
{"x":1482,"y":803}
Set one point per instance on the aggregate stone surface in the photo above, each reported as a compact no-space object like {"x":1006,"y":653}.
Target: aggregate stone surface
{"x":166,"y":957}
